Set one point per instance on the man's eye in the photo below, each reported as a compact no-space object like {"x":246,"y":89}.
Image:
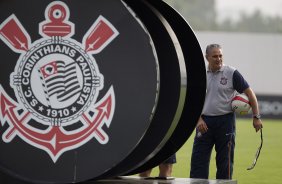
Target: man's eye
{"x":217,"y":56}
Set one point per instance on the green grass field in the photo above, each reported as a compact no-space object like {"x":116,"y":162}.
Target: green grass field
{"x":269,"y":166}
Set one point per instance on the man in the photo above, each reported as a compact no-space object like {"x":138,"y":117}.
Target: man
{"x":216,"y":125}
{"x":165,"y":168}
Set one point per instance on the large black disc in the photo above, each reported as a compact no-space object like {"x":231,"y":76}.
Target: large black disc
{"x":55,"y":137}
{"x":172,"y":91}
{"x":196,"y":84}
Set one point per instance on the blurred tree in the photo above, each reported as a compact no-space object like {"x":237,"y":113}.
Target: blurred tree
{"x":202,"y":15}
{"x":257,"y":22}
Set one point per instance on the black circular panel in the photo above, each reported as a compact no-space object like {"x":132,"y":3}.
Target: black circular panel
{"x":196,"y":84}
{"x":79,"y":85}
{"x":172,"y":91}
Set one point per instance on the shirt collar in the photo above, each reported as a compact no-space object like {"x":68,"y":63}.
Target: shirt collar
{"x":220,"y":70}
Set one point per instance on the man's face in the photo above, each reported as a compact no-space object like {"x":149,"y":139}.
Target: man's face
{"x":215,"y":59}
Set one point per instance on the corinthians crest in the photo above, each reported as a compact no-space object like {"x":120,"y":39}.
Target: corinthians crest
{"x":56,"y":82}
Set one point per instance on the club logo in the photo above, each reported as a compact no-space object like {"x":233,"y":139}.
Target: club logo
{"x":57,"y":82}
{"x":223,"y":81}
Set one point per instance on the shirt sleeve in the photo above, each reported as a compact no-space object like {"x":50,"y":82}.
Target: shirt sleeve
{"x":239,"y":83}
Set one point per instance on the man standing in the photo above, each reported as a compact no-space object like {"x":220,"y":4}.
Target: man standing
{"x":216,"y":125}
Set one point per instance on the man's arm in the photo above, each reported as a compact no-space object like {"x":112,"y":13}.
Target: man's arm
{"x":257,"y":123}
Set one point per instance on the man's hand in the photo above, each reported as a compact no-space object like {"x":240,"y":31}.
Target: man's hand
{"x":257,"y":123}
{"x":202,"y":126}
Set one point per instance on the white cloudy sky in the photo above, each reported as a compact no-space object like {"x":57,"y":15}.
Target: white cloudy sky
{"x":232,"y":8}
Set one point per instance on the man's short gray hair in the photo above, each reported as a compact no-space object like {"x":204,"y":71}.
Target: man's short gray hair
{"x":211,"y":46}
